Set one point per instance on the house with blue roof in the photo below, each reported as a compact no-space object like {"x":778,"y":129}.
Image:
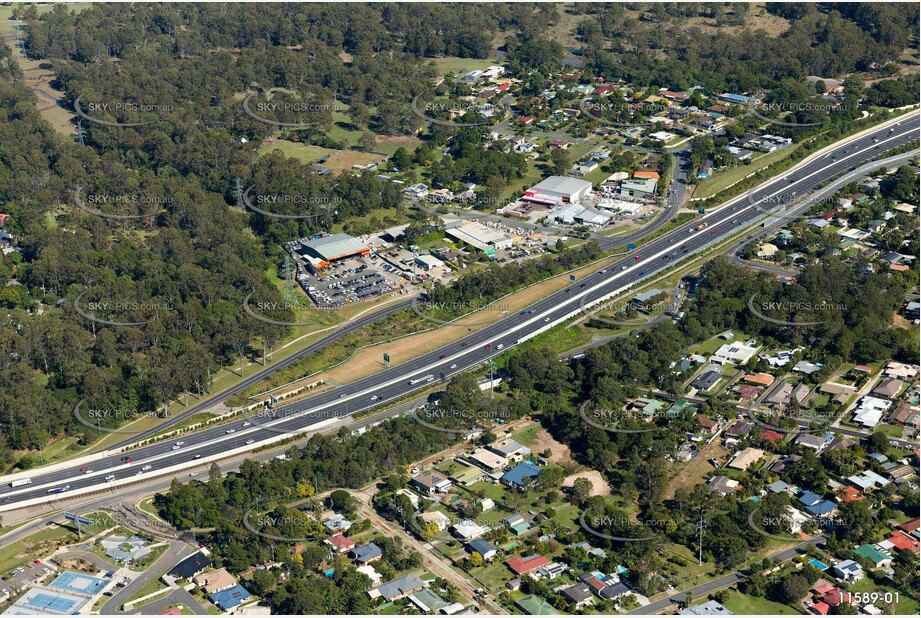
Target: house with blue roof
{"x":521,"y":476}
{"x":809,"y":499}
{"x":739,"y":99}
{"x":229,"y":598}
{"x":484,"y":548}
{"x":821,"y":509}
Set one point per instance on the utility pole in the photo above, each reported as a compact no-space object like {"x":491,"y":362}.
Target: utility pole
{"x":239,"y":191}
{"x":492,"y":367}
{"x":700,"y":540}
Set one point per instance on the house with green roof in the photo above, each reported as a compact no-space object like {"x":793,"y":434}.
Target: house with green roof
{"x":533,"y":605}
{"x":874,"y":554}
{"x":467,"y":476}
{"x":681,"y":406}
{"x":647,"y":406}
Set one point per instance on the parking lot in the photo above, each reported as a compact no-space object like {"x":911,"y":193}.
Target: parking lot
{"x":23,"y":576}
{"x":350,"y":281}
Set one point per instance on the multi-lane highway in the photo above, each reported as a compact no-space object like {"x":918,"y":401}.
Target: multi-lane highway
{"x":674,"y":199}
{"x":168,"y":457}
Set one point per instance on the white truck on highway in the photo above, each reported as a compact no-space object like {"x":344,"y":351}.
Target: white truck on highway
{"x":21,"y":482}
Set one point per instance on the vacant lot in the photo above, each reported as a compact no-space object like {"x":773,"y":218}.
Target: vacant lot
{"x":336,"y":160}
{"x":600,"y":486}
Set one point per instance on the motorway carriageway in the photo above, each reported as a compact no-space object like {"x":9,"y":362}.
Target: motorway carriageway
{"x":393,"y":384}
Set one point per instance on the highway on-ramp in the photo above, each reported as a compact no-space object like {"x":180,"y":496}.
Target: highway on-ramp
{"x":167,"y":457}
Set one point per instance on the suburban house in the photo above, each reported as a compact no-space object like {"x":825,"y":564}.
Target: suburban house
{"x":485,"y":549}
{"x":847,"y":570}
{"x":579,"y":595}
{"x":430,"y":483}
{"x":522,"y":565}
{"x":367,"y":553}
{"x":397,"y":588}
{"x":214,"y":581}
{"x":342,"y":543}
{"x":521,"y":476}
{"x":190,"y":567}
{"x":510,"y":449}
{"x":229,"y":598}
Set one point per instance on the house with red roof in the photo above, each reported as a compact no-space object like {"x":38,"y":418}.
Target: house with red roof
{"x":747,"y":391}
{"x":834,"y":597}
{"x":761,"y":379}
{"x":850,"y":494}
{"x":900,"y":540}
{"x":771,"y":435}
{"x":603,"y":90}
{"x":526,"y":120}
{"x":820,"y":609}
{"x":822,"y":588}
{"x":522,"y":565}
{"x":342,"y":543}
{"x":708,"y":424}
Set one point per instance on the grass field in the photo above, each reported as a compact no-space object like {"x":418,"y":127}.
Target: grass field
{"x":743,"y":604}
{"x":336,"y":160}
{"x":6,"y":11}
{"x":906,"y":605}
{"x":149,"y":588}
{"x":721,"y":180}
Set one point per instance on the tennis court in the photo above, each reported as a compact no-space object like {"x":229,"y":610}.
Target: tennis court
{"x":71,"y":581}
{"x":44,"y":601}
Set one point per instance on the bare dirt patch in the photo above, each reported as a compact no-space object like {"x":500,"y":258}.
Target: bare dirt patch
{"x":600,"y":486}
{"x":560,"y":454}
{"x":698,"y":469}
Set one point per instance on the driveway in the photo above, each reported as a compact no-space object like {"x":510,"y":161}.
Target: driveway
{"x":176,"y":551}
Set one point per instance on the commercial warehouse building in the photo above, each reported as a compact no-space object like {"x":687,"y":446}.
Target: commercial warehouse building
{"x":320,"y":252}
{"x":557,"y":190}
{"x":479,"y":237}
{"x":639,"y":187}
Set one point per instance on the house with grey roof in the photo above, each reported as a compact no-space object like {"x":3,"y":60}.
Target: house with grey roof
{"x":397,"y":588}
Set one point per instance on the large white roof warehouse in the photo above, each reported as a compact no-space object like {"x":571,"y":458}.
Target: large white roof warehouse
{"x":479,"y":237}
{"x":558,"y":189}
{"x":332,"y":247}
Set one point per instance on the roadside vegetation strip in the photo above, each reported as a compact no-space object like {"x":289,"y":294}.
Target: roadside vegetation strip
{"x":343,"y":351}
